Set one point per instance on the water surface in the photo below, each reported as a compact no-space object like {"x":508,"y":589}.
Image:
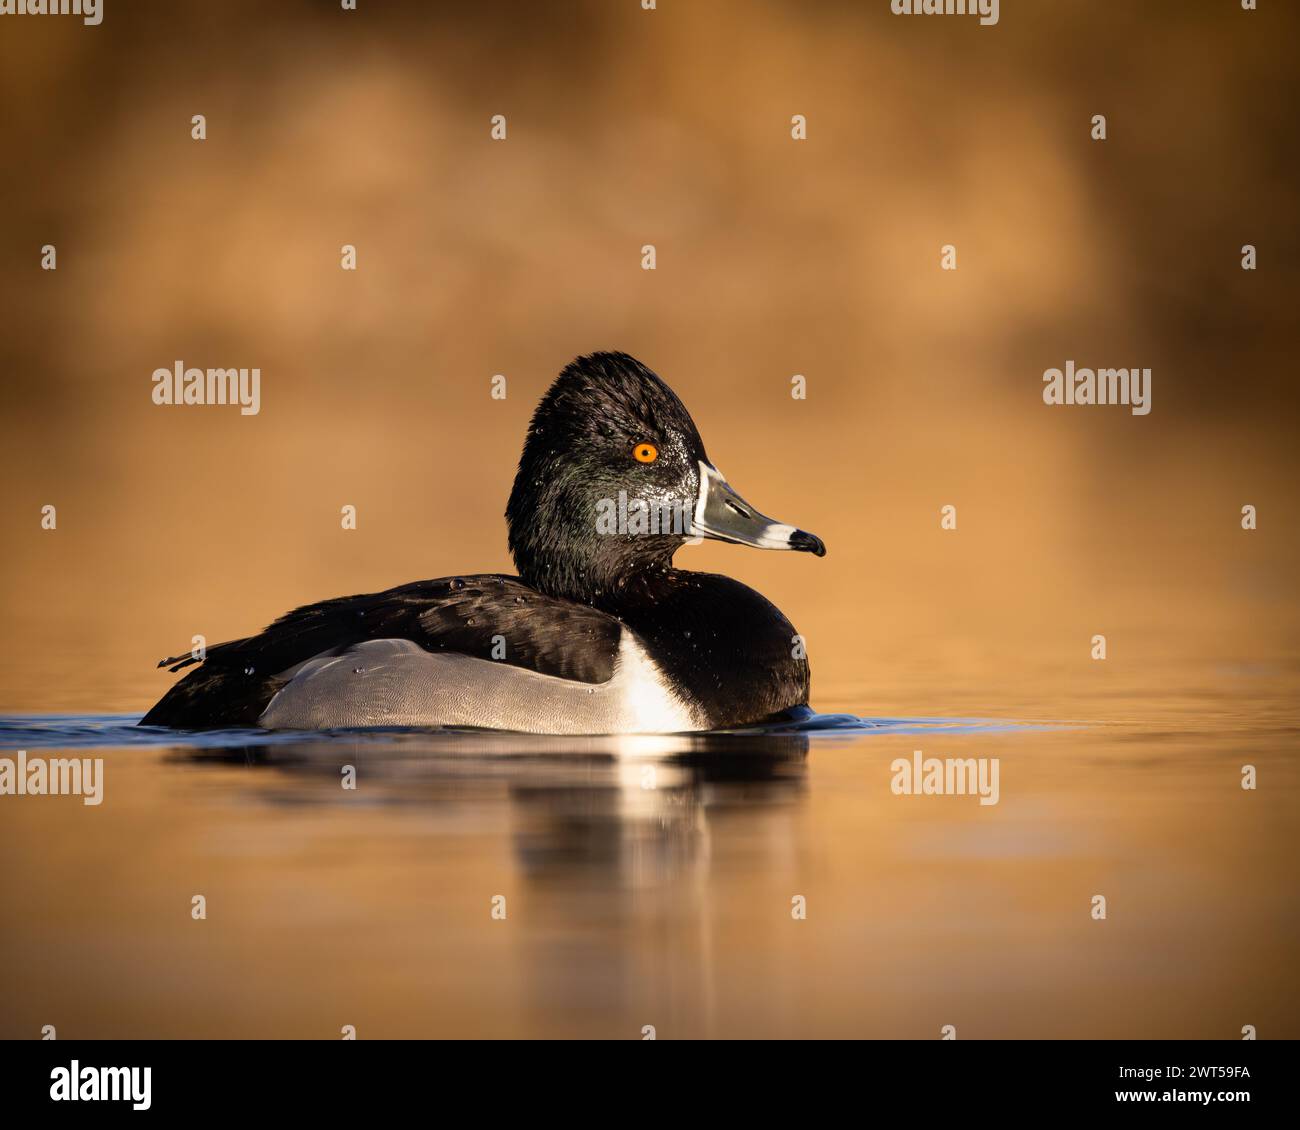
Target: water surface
{"x":652,"y":880}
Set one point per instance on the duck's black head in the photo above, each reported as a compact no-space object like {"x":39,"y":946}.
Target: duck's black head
{"x":614,"y":478}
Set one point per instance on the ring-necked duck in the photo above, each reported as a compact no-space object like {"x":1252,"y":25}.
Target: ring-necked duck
{"x":597,"y":634}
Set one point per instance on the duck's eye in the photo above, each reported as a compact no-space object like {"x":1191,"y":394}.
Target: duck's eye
{"x":645,"y":453}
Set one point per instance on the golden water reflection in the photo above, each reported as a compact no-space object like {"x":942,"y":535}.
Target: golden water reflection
{"x":652,"y":882}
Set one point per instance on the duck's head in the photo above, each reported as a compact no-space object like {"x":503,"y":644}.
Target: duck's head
{"x":614,"y":478}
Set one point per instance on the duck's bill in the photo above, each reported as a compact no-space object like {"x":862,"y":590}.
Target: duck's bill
{"x":721,"y":513}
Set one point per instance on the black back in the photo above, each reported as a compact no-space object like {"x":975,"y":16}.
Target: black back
{"x":461,"y":614}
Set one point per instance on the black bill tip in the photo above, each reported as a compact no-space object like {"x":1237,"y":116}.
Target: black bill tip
{"x":805,"y":542}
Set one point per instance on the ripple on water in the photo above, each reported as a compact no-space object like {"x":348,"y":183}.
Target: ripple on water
{"x":69,"y":731}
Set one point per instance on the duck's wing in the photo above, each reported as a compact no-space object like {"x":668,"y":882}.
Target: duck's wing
{"x":487,"y":617}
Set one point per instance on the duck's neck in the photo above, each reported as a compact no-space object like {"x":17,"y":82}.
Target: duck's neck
{"x":602,"y":572}
{"x":595,"y":584}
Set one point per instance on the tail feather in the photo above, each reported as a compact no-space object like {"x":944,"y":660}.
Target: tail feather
{"x":180,"y":661}
{"x":220,"y":691}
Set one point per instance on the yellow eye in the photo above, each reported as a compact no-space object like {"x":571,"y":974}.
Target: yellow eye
{"x":645,"y":453}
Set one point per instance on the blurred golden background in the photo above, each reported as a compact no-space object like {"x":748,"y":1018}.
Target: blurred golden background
{"x":775,"y":257}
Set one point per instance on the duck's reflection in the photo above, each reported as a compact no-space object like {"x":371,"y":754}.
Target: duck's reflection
{"x":636,"y":804}
{"x":615,"y":886}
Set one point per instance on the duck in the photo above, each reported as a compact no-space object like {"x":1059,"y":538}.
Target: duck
{"x":597,"y":634}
